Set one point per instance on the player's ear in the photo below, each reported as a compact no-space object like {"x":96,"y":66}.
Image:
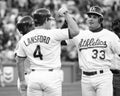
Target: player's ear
{"x":100,"y":20}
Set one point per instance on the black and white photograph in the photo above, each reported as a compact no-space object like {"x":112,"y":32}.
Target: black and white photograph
{"x":59,"y":47}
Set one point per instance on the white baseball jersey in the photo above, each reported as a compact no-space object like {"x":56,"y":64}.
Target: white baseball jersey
{"x":42,"y":47}
{"x":96,"y":50}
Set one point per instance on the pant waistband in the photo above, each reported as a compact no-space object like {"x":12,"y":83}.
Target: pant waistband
{"x":90,"y":73}
{"x":42,"y":69}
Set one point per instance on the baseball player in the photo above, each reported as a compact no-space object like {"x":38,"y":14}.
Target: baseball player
{"x":24,"y":25}
{"x":42,"y":48}
{"x":116,"y":61}
{"x":96,"y":47}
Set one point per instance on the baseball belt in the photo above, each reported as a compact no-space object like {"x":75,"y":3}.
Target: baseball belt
{"x":42,"y":69}
{"x":92,"y":73}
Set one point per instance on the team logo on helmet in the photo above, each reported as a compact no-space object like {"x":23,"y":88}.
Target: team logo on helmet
{"x":92,"y":9}
{"x":96,"y":10}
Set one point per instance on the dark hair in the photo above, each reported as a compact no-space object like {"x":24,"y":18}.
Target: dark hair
{"x":40,"y":16}
{"x":24,"y":27}
{"x":39,"y":19}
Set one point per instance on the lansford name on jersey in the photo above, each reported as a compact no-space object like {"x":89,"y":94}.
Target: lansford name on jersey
{"x":92,"y":43}
{"x":36,"y":39}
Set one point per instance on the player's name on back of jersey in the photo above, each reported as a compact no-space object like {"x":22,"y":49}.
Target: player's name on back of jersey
{"x":37,"y":39}
{"x":92,"y":43}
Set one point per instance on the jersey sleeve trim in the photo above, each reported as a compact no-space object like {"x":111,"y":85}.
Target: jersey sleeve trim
{"x":22,"y":56}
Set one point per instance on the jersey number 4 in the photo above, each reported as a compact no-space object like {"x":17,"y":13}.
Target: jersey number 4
{"x":37,"y":53}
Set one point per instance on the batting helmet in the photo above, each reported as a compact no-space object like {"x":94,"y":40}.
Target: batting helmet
{"x":40,"y":16}
{"x":25,"y":24}
{"x":96,"y":10}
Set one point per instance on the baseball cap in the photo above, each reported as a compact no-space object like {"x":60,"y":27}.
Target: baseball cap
{"x":95,"y":10}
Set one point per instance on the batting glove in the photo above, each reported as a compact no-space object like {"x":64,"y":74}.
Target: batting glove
{"x":62,"y":11}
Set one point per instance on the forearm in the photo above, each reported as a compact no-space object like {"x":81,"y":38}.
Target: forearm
{"x":72,"y":25}
{"x":21,"y":71}
{"x":20,"y":67}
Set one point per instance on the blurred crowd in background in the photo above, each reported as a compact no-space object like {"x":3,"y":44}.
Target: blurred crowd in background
{"x":12,"y":10}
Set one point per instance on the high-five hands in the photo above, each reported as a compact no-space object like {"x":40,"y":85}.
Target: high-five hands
{"x":62,"y":11}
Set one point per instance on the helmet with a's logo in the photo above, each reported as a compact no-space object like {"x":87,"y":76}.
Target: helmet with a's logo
{"x":96,"y":10}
